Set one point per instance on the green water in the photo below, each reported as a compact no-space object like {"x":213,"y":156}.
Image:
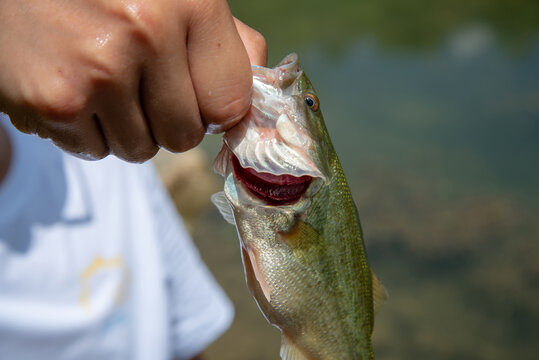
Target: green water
{"x":433,"y":108}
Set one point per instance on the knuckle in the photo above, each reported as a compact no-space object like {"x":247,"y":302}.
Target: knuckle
{"x":108,"y":63}
{"x":60,"y":100}
{"x":78,"y":144}
{"x":147,"y":154}
{"x":142,"y":21}
{"x":182,"y":141}
{"x":106,"y":72}
{"x":259,"y":42}
{"x":205,"y":9}
{"x":226,"y":115}
{"x":23,"y":123}
{"x":96,"y":155}
{"x":137,"y":155}
{"x":257,"y":48}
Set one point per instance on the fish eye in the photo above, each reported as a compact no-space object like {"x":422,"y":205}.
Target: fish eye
{"x":312,"y":101}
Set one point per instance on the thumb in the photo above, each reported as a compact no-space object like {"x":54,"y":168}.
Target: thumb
{"x":254,"y":43}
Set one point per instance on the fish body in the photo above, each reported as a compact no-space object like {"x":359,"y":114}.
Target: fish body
{"x":301,"y":240}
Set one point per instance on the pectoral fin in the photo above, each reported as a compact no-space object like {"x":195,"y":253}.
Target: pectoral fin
{"x":289,"y":351}
{"x":255,"y":278}
{"x":221,"y":203}
{"x":379,"y":293}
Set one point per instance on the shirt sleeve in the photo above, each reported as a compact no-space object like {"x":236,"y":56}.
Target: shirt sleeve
{"x":199,"y":309}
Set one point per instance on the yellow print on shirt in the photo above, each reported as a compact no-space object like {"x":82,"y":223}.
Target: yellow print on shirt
{"x":100,"y":263}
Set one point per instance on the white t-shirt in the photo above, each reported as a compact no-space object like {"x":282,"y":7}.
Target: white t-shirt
{"x":96,"y":264}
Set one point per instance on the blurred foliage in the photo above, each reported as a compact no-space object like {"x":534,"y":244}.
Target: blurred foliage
{"x":396,"y":24}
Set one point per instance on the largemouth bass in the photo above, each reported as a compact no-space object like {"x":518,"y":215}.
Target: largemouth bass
{"x":299,"y":229}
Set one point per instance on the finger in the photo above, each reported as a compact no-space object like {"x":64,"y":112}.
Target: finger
{"x":81,"y":136}
{"x":54,"y":108}
{"x":254,"y":42}
{"x":169,"y":100}
{"x":219,"y":66}
{"x":123,"y":123}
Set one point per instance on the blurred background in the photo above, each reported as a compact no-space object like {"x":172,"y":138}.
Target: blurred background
{"x":433,"y":107}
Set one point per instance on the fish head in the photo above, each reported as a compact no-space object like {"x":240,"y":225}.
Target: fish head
{"x":278,"y":154}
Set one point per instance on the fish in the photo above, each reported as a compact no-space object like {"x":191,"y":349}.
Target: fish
{"x":301,"y":240}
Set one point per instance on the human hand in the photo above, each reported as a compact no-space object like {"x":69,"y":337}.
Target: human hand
{"x":125,"y":76}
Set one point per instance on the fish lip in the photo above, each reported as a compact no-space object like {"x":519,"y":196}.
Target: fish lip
{"x":282,"y":75}
{"x":239,"y":193}
{"x":289,"y":63}
{"x":274,"y":190}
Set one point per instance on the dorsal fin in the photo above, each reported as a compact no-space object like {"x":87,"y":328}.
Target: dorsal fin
{"x":379,"y":293}
{"x":289,"y":351}
{"x":219,"y":200}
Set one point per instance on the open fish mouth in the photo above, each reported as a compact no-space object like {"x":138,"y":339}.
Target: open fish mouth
{"x":272,"y":153}
{"x":270,"y":188}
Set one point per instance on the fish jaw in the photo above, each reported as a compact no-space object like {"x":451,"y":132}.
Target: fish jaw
{"x":245,"y":187}
{"x":273,"y":143}
{"x":273,"y":154}
{"x":275,"y":135}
